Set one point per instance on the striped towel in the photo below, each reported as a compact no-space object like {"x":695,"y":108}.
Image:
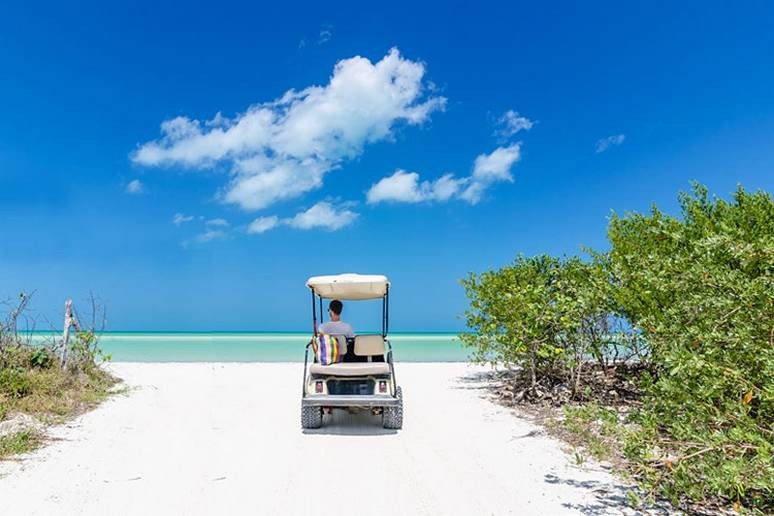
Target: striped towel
{"x":327,"y":349}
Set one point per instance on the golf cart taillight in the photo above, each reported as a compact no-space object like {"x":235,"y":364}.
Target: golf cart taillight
{"x":318,"y":387}
{"x":382,"y":386}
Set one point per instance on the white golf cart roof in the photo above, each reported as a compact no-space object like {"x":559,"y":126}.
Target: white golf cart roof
{"x":349,"y":286}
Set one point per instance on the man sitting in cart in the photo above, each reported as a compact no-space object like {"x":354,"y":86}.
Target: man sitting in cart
{"x":336,"y":326}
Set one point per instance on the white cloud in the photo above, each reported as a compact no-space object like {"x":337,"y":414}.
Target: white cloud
{"x":179,"y":219}
{"x":135,"y":187}
{"x":487,"y":169}
{"x":325,"y":36}
{"x":497,"y":165}
{"x":262,"y":181}
{"x":214,"y":229}
{"x":282,"y":149}
{"x":263,"y":224}
{"x":610,"y":141}
{"x":405,"y":186}
{"x":209,"y":235}
{"x":511,"y":123}
{"x":322,"y":215}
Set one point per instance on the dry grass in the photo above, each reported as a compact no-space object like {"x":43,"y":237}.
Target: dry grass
{"x":19,"y":443}
{"x":33,"y":383}
{"x":54,"y":395}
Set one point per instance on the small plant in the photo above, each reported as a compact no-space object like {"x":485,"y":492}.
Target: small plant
{"x":632,"y":498}
{"x":19,"y":443}
{"x":597,"y":429}
{"x":41,"y":358}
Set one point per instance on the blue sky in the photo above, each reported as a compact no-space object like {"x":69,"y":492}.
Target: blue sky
{"x":540,"y":118}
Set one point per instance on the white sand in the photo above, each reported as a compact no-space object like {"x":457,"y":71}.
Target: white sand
{"x":226,"y":439}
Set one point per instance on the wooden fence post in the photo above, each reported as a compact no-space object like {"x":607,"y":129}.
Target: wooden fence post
{"x":69,"y":321}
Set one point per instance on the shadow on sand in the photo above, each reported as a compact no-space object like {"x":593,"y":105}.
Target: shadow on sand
{"x":610,"y":498}
{"x":480,"y":381}
{"x":341,"y":422}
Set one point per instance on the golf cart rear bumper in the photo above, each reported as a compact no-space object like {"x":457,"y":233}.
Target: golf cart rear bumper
{"x":349,"y":401}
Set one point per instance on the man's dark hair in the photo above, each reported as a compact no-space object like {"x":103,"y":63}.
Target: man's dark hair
{"x":336,"y":306}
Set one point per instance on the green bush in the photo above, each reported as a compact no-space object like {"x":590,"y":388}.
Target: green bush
{"x":14,"y":383}
{"x":33,"y":380}
{"x":692,"y":298}
{"x":41,"y":358}
{"x":701,"y":290}
{"x":509,"y":317}
{"x":550,"y":316}
{"x":85,"y":353}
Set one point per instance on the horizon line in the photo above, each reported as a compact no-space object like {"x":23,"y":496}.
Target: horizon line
{"x":243,"y":331}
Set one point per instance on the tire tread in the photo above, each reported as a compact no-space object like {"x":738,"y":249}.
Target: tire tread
{"x":392,"y":417}
{"x":311,"y":417}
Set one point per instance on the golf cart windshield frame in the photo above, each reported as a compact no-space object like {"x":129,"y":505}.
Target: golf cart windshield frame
{"x":385,"y":310}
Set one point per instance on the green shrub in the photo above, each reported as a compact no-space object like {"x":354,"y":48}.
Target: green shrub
{"x":549,"y":316}
{"x":21,"y":442}
{"x":41,"y":358}
{"x":701,"y":290}
{"x":14,"y":383}
{"x":696,"y":298}
{"x":507,"y":313}
{"x":33,"y":381}
{"x":85,"y":353}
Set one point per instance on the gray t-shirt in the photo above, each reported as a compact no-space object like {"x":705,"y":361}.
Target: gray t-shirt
{"x":336,"y":328}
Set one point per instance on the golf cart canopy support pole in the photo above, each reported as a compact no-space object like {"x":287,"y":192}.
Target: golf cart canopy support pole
{"x":314,"y":315}
{"x":387,"y":311}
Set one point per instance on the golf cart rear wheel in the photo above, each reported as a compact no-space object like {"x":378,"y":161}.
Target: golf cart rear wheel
{"x":392,"y":417}
{"x":311,"y":417}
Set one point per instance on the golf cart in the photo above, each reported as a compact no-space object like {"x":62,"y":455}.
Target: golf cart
{"x":365,"y":375}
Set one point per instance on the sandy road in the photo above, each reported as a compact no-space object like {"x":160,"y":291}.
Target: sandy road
{"x":225,"y":439}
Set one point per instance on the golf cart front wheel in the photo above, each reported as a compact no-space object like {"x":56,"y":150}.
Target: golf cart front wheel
{"x":311,"y":417}
{"x":392,"y":417}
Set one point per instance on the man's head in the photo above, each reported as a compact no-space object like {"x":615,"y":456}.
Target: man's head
{"x":334,"y":309}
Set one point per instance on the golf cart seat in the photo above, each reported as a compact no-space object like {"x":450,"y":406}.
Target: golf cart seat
{"x":368,"y":347}
{"x":351,"y":369}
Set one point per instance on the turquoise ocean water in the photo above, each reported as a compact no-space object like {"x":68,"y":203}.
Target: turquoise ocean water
{"x":261,"y":347}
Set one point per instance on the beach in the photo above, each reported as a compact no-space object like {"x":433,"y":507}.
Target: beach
{"x":225,"y":438}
